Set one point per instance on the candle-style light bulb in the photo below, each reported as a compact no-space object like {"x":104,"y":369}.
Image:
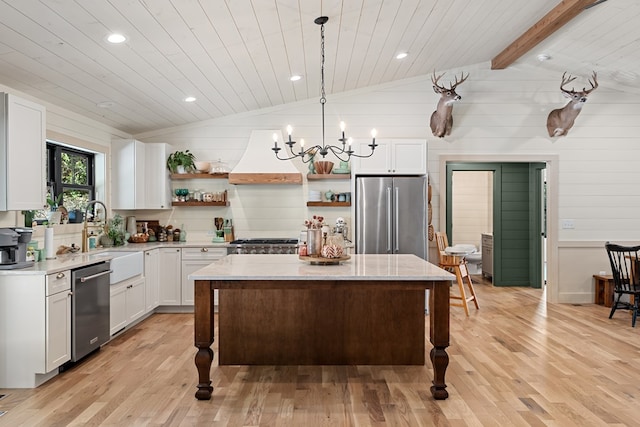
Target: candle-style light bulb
{"x":275,"y":140}
{"x":350,"y":141}
{"x":289,"y":129}
{"x":374,"y":133}
{"x":302,"y":142}
{"x":343,"y":126}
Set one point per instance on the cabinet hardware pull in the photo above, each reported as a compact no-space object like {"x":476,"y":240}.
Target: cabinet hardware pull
{"x":59,"y":275}
{"x":204,"y":250}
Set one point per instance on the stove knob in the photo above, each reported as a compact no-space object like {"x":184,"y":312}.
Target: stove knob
{"x":253,"y":251}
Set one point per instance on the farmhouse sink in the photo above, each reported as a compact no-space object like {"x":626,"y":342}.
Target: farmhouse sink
{"x":124,"y":265}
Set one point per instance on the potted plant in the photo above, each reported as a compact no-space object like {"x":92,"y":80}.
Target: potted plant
{"x":181,"y":162}
{"x":113,"y":232}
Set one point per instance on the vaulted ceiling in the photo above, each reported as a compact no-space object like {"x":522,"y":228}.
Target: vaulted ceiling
{"x":237,"y":55}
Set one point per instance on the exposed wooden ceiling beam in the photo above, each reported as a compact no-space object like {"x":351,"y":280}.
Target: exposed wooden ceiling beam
{"x":564,"y":12}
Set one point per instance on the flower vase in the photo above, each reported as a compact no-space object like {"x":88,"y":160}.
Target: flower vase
{"x":314,"y":241}
{"x":54,"y":217}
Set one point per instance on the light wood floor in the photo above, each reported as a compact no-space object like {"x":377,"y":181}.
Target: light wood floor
{"x":516,"y":361}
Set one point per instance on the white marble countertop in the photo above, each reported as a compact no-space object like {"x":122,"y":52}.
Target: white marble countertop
{"x":290,"y":267}
{"x":80,"y":259}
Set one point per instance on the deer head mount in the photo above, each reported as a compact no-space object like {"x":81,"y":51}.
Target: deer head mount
{"x":441,"y":120}
{"x":561,"y":120}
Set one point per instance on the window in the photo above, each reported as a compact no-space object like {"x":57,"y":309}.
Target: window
{"x":70,"y":176}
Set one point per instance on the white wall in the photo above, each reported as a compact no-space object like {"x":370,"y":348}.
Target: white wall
{"x":502,"y":116}
{"x":472,"y":206}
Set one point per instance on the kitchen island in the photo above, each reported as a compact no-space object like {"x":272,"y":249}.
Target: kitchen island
{"x":280,"y":310}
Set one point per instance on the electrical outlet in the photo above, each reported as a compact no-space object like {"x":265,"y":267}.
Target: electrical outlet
{"x":568,"y":224}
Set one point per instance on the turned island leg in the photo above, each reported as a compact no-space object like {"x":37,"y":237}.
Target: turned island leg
{"x":203,"y":336}
{"x":439,"y":336}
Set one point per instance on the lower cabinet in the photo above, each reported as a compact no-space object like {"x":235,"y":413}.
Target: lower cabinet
{"x":169,"y":276}
{"x":35,"y":327}
{"x":194,"y":259}
{"x":127,"y":302}
{"x":58,"y":319}
{"x":152,"y":277}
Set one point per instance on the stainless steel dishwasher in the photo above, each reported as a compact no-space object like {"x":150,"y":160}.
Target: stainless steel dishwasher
{"x":89,"y":309}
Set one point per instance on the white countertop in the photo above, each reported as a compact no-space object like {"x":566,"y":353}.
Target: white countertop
{"x":80,"y":259}
{"x":290,"y":267}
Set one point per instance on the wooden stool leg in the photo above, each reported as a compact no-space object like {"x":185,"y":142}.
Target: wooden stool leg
{"x":463,"y":295}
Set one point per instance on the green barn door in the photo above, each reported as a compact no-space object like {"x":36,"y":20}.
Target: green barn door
{"x":517,"y":220}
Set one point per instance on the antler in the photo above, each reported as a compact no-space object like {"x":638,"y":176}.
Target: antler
{"x":566,"y":81}
{"x":593,"y":84}
{"x":435,"y":79}
{"x":452,"y":87}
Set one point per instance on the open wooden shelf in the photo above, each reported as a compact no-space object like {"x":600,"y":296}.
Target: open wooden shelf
{"x":200,"y":175}
{"x":195,"y":203}
{"x":323,"y":176}
{"x":329,"y":204}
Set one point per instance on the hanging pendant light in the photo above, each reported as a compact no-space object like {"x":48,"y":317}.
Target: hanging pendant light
{"x":344,"y":151}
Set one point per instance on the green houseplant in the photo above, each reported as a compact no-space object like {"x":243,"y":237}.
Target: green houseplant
{"x":114,"y":232}
{"x":181,"y":162}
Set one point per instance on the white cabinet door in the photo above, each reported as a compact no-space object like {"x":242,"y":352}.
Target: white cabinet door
{"x":22,"y":136}
{"x":394,"y":157}
{"x":118,"y":308}
{"x":170,"y":276}
{"x":194,"y":259}
{"x":378,"y":163}
{"x":135,"y":299}
{"x":58,"y":329}
{"x":189,"y":267}
{"x":128,"y":171}
{"x":409,"y":157}
{"x":152,"y":276}
{"x":157,"y":188}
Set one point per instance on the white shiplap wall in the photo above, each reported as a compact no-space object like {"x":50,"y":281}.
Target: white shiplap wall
{"x":502,"y":115}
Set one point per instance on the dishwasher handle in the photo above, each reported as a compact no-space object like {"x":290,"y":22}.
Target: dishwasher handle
{"x":93,"y":276}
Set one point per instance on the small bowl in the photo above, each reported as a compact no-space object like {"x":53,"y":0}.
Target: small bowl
{"x":202,"y":166}
{"x":323,"y":167}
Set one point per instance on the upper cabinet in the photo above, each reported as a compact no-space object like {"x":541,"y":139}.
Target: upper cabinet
{"x":139,"y":175}
{"x":393,"y":157}
{"x":22,"y":145}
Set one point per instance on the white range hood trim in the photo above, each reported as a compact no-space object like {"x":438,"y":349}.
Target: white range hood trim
{"x":259,"y":165}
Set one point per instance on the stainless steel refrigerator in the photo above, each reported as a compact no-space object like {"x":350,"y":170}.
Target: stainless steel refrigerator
{"x":391,"y":215}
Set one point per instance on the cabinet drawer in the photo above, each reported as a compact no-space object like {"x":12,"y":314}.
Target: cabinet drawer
{"x":57,"y":282}
{"x":204,"y":253}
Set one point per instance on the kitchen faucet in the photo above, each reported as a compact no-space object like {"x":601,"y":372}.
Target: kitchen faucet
{"x":86,"y":225}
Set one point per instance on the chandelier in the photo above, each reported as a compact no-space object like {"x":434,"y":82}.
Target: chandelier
{"x":343,"y":152}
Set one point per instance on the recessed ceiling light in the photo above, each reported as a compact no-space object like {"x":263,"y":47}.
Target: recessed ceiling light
{"x":543,"y":57}
{"x":116,"y":38}
{"x":189,"y":99}
{"x":295,"y":78}
{"x":401,"y":55}
{"x":105,"y":104}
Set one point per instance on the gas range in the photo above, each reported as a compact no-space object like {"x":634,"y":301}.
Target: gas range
{"x":263,"y":246}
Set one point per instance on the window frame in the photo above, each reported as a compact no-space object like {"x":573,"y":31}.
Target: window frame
{"x":54,"y":170}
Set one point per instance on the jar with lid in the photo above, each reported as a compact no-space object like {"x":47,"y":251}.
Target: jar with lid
{"x":197,"y":195}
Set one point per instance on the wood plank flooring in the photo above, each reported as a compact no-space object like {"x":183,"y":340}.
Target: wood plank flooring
{"x":516,"y":361}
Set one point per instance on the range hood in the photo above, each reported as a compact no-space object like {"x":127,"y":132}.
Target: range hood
{"x":259,"y":165}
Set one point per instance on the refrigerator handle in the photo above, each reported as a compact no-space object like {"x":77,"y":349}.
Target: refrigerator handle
{"x":389,"y":219}
{"x":396,"y":216}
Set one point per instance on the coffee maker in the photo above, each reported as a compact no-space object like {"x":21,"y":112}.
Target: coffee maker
{"x":13,"y":248}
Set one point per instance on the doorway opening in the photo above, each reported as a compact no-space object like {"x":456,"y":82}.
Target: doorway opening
{"x":502,"y":206}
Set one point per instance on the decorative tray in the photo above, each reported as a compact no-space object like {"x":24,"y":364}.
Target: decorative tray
{"x":318,"y":260}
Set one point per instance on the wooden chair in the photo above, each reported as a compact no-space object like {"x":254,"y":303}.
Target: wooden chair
{"x":626,"y":277}
{"x":458,"y":266}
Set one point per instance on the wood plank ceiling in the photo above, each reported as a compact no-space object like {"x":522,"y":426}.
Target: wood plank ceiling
{"x":237,"y":55}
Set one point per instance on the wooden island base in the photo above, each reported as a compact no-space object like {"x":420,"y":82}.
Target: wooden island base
{"x":340,"y":325}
